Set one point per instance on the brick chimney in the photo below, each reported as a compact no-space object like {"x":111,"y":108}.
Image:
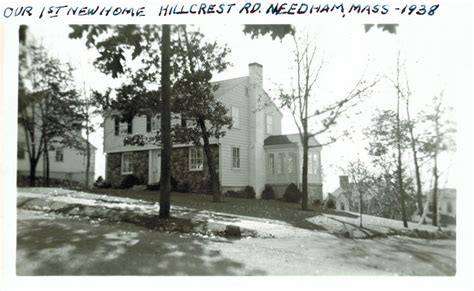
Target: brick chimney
{"x":344,"y":182}
{"x":255,"y":75}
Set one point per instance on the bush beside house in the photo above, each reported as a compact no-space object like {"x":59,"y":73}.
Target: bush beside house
{"x":101,"y":183}
{"x":247,"y":193}
{"x":268,"y":193}
{"x":292,"y":194}
{"x":129,"y":181}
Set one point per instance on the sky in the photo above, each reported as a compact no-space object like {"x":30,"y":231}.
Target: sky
{"x":436,"y":55}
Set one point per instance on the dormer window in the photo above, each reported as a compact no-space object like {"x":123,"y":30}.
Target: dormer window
{"x":153,"y":123}
{"x":122,"y":127}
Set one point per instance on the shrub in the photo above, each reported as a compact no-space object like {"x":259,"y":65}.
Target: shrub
{"x":129,"y":181}
{"x":250,"y":191}
{"x":268,"y":193}
{"x":153,"y":187}
{"x":183,"y":187}
{"x":236,"y":194}
{"x":101,"y":183}
{"x":317,"y":202}
{"x":330,"y":203}
{"x":156,"y":186}
{"x":292,"y":194}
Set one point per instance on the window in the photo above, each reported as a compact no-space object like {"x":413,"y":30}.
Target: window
{"x":269,"y":124}
{"x":127,"y":163}
{"x":59,"y":155}
{"x":153,"y":123}
{"x":291,"y":162}
{"x":122,"y":128}
{"x":235,"y":117}
{"x":312,"y":164}
{"x":281,"y":163}
{"x":236,"y":158}
{"x":195,"y":159}
{"x":315,"y":163}
{"x":450,"y":207}
{"x":21,"y":151}
{"x":271,"y":164}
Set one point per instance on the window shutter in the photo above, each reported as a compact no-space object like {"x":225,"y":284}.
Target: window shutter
{"x":117,"y":125}
{"x":148,"y":123}
{"x":130,"y":126}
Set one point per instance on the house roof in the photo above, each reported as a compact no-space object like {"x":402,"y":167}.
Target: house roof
{"x":288,"y":139}
{"x":85,"y":140}
{"x":227,"y":85}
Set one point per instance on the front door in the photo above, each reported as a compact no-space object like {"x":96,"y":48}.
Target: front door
{"x":155,"y":166}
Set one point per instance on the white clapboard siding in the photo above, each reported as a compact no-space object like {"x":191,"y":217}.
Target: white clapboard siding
{"x":74,"y":161}
{"x":236,"y":96}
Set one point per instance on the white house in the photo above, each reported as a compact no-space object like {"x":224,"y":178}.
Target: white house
{"x":346,"y":195}
{"x":253,"y":153}
{"x":65,"y":163}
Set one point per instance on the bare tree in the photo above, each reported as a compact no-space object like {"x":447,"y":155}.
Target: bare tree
{"x":401,"y":189}
{"x":311,"y":118}
{"x":406,"y":93}
{"x":438,"y":139}
{"x":364,"y":184}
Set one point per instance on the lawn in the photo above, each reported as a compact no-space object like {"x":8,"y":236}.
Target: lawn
{"x":336,"y":222}
{"x":270,"y":209}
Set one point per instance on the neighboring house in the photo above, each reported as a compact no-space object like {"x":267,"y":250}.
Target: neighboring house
{"x":347,"y":198}
{"x":446,"y":204}
{"x":346,"y":195}
{"x":254,"y":152}
{"x":65,"y":163}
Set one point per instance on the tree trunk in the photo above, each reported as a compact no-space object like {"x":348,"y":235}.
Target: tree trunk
{"x":165,"y":178}
{"x":304,"y":200}
{"x":419,"y":198}
{"x":216,"y":191}
{"x":360,"y":208}
{"x":45,"y":162}
{"x":435,"y":193}
{"x":435,"y":168}
{"x":47,"y":166}
{"x":32,"y":178}
{"x":401,"y":190}
{"x":88,"y":151}
{"x":419,"y":194}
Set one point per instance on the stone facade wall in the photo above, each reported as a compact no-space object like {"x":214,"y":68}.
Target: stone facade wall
{"x":199,"y":180}
{"x":113,"y":171}
{"x":315,"y":191}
